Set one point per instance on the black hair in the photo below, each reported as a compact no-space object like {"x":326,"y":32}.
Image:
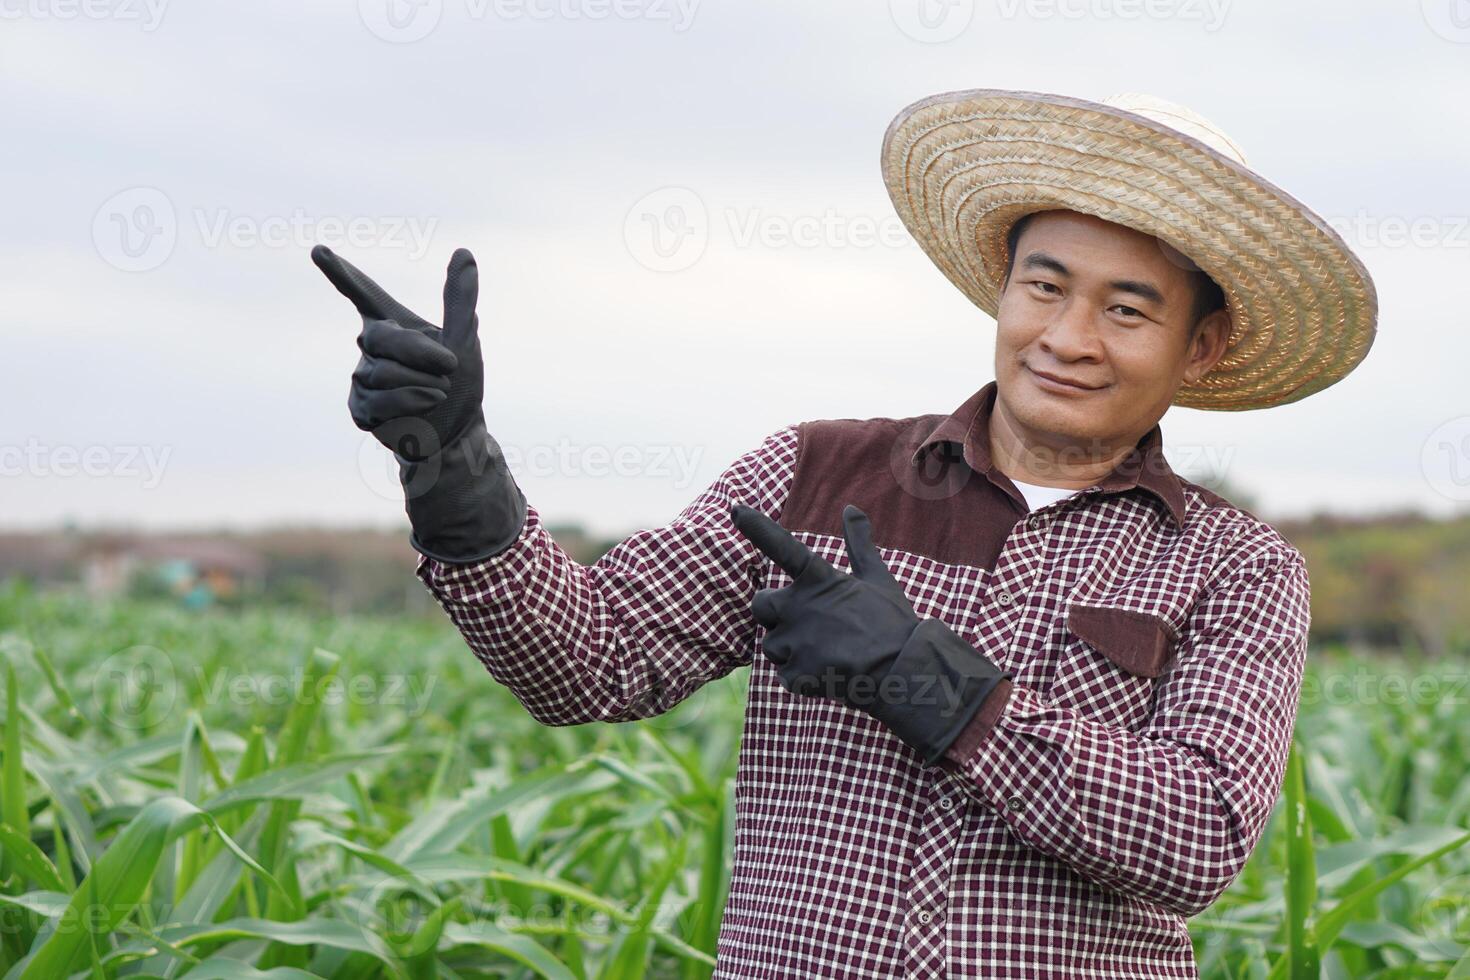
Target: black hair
{"x":1208,"y":296}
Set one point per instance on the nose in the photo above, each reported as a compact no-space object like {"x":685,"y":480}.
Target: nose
{"x":1071,"y":334}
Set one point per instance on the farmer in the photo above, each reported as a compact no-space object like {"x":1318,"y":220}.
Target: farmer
{"x":1020,"y":696}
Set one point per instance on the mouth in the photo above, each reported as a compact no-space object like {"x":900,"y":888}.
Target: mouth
{"x":1052,"y":382}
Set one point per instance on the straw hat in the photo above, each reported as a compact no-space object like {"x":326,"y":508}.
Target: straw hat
{"x":961,"y":167}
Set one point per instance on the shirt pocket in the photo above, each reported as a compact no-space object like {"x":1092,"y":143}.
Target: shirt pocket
{"x":1110,"y":662}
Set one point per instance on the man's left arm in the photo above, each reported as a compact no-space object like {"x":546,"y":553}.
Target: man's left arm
{"x":1169,"y":813}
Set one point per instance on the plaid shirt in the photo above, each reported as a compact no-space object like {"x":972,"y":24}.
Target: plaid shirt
{"x":1113,"y":788}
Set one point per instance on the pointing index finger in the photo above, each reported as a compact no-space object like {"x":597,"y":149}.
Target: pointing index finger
{"x":371,"y":300}
{"x":772,"y":539}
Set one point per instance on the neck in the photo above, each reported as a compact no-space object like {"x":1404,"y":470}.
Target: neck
{"x":1050,"y":460}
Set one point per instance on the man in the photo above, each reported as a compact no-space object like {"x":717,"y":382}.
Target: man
{"x":985,"y":736}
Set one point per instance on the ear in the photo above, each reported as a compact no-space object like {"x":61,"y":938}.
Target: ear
{"x":1208,"y":346}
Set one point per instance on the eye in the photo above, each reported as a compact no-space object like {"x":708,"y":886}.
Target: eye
{"x":1128,"y":311}
{"x":1045,"y":286}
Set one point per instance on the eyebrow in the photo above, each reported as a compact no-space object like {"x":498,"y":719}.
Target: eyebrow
{"x":1144,"y":290}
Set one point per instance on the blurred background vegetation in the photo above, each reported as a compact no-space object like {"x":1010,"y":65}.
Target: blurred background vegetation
{"x":270,"y":755}
{"x":1389,"y":581}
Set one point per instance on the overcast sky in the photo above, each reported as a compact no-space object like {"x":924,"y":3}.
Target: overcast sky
{"x":173,"y":358}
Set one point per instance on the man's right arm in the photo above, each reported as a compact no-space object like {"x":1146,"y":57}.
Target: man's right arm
{"x":645,"y":626}
{"x":629,"y":636}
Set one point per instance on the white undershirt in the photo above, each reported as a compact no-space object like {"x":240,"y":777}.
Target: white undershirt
{"x":1039,"y":496}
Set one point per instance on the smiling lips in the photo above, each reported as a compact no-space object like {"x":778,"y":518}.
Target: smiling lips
{"x":1058,"y":382}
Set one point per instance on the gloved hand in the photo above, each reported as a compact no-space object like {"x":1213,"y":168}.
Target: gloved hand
{"x":856,"y":638}
{"x":418,"y":388}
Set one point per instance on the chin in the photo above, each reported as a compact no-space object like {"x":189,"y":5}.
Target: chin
{"x":1061,"y":415}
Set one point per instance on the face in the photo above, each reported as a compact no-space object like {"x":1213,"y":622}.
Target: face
{"x":1108,"y":308}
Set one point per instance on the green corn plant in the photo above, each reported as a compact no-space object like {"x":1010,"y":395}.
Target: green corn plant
{"x":220,"y":832}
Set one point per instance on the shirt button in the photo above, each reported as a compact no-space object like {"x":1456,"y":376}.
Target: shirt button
{"x":946,"y":803}
{"x":1036,"y":523}
{"x":1005,"y":598}
{"x":924,"y":916}
{"x":1014,"y":804}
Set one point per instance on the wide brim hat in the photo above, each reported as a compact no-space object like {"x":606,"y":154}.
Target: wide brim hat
{"x":961,"y":167}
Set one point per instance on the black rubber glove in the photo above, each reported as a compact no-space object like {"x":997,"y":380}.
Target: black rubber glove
{"x":856,"y":638}
{"x":418,"y":389}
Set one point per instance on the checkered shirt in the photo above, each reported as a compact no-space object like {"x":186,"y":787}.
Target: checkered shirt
{"x":1113,"y":788}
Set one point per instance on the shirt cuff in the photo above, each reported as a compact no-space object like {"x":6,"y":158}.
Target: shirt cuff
{"x":489,"y":579}
{"x":980,"y":726}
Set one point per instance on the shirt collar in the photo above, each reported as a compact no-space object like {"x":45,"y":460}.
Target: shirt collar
{"x":968,"y":427}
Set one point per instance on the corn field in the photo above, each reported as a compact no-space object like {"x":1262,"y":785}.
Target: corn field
{"x":277,"y":794}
